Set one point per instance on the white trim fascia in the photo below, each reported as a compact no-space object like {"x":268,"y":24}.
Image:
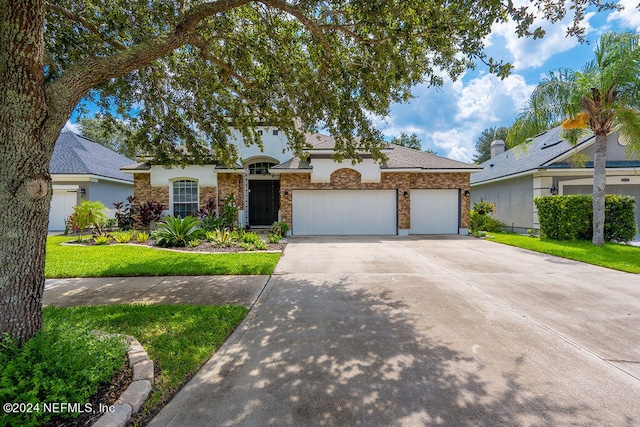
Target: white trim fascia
{"x":86,"y":178}
{"x":589,"y":171}
{"x":330,"y":151}
{"x":420,"y":170}
{"x":132,"y":172}
{"x":506,"y":177}
{"x":227,"y":170}
{"x":279,"y":171}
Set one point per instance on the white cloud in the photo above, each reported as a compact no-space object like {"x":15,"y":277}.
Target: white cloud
{"x":73,"y":127}
{"x":629,"y":17}
{"x":529,"y":53}
{"x":488,"y":99}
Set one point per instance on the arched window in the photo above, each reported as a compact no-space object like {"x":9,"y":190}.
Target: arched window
{"x":260,"y":168}
{"x":185,"y":198}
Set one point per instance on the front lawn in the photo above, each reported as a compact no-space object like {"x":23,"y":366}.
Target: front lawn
{"x":131,"y":260}
{"x":611,"y":255}
{"x":178,"y":338}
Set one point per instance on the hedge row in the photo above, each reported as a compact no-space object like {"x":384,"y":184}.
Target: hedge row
{"x":571,"y":217}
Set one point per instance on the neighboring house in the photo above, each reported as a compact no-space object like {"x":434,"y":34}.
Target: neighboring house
{"x":84,"y":170}
{"x":412,"y":193}
{"x":545,"y":166}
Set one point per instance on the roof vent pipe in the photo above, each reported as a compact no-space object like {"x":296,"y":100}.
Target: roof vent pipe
{"x":497,"y":148}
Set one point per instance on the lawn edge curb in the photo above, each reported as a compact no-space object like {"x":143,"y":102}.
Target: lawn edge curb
{"x":130,"y":401}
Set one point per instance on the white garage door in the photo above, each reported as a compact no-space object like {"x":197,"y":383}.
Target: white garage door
{"x":434,"y":211}
{"x":62,"y":203}
{"x":344,"y":212}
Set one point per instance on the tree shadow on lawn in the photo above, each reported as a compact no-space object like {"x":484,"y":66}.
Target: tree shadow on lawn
{"x":323,"y":354}
{"x":198,"y":264}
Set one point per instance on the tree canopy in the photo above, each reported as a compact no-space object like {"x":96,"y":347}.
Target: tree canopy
{"x":409,"y":141}
{"x":483,"y":143}
{"x":113,"y":134}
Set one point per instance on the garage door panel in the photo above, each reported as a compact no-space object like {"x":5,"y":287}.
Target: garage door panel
{"x":434,"y":211}
{"x":344,"y":212}
{"x":62,"y":203}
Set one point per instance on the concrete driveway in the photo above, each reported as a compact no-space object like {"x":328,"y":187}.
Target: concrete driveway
{"x":413,"y":331}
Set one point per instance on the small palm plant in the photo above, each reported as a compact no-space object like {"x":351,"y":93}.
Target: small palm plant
{"x":88,"y":214}
{"x":178,"y":232}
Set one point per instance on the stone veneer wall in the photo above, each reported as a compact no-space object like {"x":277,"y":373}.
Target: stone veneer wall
{"x":144,"y":192}
{"x":207,"y":193}
{"x":349,"y":179}
{"x":231,"y":183}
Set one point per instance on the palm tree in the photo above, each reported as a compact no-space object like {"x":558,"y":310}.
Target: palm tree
{"x":602,"y":98}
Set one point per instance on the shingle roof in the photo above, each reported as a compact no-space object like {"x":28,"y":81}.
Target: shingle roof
{"x":399,"y":157}
{"x":402,"y":158}
{"x":537,"y":154}
{"x":75,"y":155}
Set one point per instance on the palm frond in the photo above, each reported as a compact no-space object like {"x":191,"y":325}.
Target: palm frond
{"x":628,"y":125}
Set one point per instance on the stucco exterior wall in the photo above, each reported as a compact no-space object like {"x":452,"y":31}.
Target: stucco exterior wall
{"x":513,"y":199}
{"x":108,"y":193}
{"x":350,"y":179}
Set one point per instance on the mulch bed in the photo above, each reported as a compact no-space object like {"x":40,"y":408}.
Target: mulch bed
{"x":204,"y":246}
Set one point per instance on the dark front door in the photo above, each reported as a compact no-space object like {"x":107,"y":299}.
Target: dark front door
{"x":264,"y":202}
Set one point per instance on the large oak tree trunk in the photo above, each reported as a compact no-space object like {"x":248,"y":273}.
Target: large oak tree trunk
{"x":599,"y":187}
{"x":25,"y":148}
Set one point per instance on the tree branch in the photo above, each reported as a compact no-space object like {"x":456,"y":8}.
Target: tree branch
{"x":59,"y":10}
{"x":65,"y":92}
{"x":206,"y":54}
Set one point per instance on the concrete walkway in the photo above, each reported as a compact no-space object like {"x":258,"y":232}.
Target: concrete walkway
{"x":425,"y":331}
{"x":207,"y":290}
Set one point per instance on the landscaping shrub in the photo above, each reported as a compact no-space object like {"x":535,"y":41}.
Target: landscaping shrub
{"x":571,"y":217}
{"x":61,"y":363}
{"x":251,"y":237}
{"x":176,"y":231}
{"x":142,"y":237}
{"x":208,"y":215}
{"x":148,"y":212}
{"x":88,"y":214}
{"x":123,"y":236}
{"x":481,"y":219}
{"x":280,"y":228}
{"x":221,"y":237}
{"x":229,"y":211}
{"x":125,"y":213}
{"x":274,"y":238}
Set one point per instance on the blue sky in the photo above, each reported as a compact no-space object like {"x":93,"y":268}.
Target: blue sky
{"x":449,"y":119}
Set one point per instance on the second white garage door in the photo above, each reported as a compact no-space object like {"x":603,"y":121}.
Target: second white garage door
{"x":434,"y":211}
{"x":344,"y":212}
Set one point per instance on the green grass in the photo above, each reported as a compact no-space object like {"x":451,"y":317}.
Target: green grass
{"x":178,"y":338}
{"x":63,"y":362}
{"x":130,"y":260}
{"x":611,"y":255}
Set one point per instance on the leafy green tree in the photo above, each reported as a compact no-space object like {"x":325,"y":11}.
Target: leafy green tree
{"x":106,"y":130}
{"x":483,"y":143}
{"x":191,"y":68}
{"x":603,"y":97}
{"x":408,"y":141}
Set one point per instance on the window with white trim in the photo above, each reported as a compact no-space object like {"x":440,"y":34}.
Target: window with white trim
{"x":185,"y":198}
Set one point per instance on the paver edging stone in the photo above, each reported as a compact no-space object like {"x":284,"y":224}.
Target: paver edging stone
{"x":130,"y":401}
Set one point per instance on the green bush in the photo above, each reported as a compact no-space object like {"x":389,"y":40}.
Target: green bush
{"x":88,"y":214}
{"x":483,"y":222}
{"x":123,"y":236}
{"x":571,"y":217}
{"x":279,"y":228}
{"x":221,"y":237}
{"x":274,"y":238}
{"x":61,"y":363}
{"x":176,"y":231}
{"x":251,"y":237}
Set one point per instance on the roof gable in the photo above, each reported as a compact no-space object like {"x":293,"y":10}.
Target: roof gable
{"x":75,"y":155}
{"x":543,"y":150}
